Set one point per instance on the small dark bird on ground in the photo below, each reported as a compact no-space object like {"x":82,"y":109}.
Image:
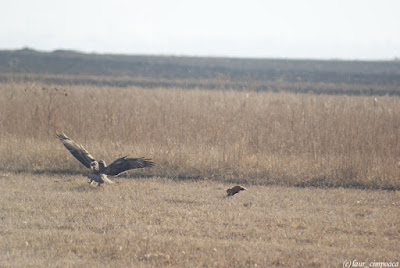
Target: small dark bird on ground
{"x":234,"y":190}
{"x":99,"y":168}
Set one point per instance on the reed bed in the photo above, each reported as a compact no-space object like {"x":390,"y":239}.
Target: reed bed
{"x":236,"y":136}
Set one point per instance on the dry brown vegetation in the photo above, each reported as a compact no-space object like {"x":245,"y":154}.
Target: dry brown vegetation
{"x":245,"y":137}
{"x":203,"y":142}
{"x":61,"y":221}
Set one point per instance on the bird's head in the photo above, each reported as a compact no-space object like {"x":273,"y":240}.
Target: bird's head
{"x":94,"y":165}
{"x":102,"y":164}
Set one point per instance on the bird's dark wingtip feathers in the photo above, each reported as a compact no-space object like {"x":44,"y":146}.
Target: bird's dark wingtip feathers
{"x":61,"y":136}
{"x":147,"y":162}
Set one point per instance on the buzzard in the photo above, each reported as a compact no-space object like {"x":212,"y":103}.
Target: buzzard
{"x":100,"y":170}
{"x":234,"y":190}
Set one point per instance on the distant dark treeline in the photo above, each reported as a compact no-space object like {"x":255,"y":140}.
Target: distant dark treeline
{"x":350,"y":77}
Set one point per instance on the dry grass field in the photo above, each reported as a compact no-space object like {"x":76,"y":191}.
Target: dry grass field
{"x":235,"y":136}
{"x":321,"y":172}
{"x":61,"y":221}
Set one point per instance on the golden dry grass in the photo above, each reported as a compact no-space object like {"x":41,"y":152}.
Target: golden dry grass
{"x":203,"y":142}
{"x":61,"y":221}
{"x":244,"y":137}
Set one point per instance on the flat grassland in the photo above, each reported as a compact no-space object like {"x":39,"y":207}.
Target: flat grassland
{"x":321,"y":172}
{"x":59,"y":220}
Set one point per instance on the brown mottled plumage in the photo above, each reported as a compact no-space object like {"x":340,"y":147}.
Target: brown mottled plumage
{"x":99,"y":168}
{"x":234,"y":190}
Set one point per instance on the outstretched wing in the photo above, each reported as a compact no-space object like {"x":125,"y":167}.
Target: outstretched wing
{"x":77,"y":150}
{"x":123,"y":164}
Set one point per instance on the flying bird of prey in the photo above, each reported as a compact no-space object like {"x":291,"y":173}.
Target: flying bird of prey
{"x":234,"y":190}
{"x":99,"y":168}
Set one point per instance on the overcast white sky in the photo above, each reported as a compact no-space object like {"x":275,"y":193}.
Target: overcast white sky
{"x":340,"y":29}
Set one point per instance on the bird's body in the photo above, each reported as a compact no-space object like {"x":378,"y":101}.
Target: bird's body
{"x":234,"y":190}
{"x":100,"y":171}
{"x":100,"y":178}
